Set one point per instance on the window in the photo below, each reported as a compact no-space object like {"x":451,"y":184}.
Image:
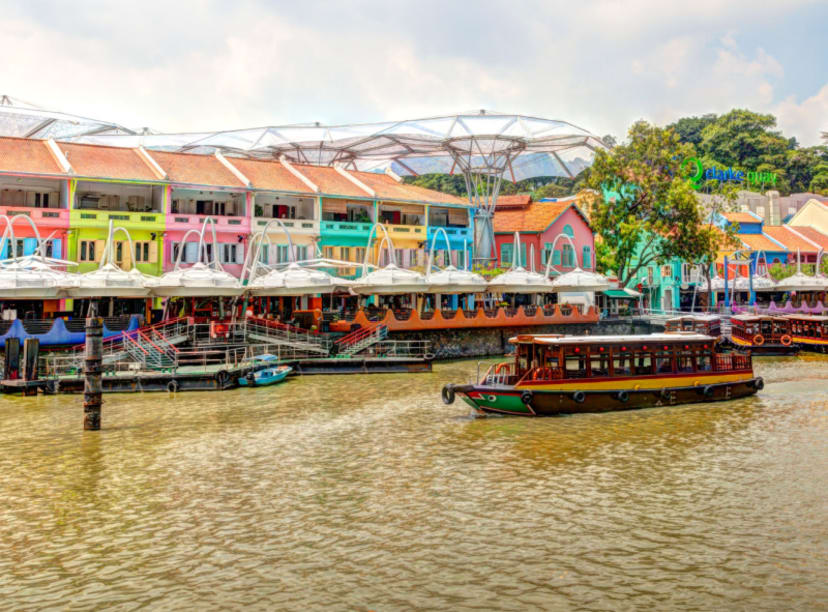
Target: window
{"x":666,"y":271}
{"x":399,"y":255}
{"x":461,"y":259}
{"x":142,"y":252}
{"x":663,"y":362}
{"x":87,"y":250}
{"x":547,"y":249}
{"x":587,"y":257}
{"x":345,"y":253}
{"x":327,"y":252}
{"x":301,"y":252}
{"x":556,"y":257}
{"x":229,"y":252}
{"x":360,"y":254}
{"x":506,"y":251}
{"x":760,"y":210}
{"x":282,"y":253}
{"x":568,"y":256}
{"x":568,"y":231}
{"x":599,"y":364}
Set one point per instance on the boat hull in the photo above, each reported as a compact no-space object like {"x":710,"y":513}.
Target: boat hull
{"x":811,"y":345}
{"x":768,"y":349}
{"x":538,"y":402}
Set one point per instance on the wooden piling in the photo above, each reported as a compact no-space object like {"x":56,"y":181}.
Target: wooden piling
{"x":92,"y":387}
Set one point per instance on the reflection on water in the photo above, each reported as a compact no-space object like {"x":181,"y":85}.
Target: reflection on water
{"x":367,"y":493}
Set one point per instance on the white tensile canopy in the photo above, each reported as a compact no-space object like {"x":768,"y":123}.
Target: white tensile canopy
{"x":24,"y":120}
{"x":295,"y":280}
{"x":580,"y":280}
{"x":451,"y":280}
{"x":390,"y":280}
{"x":761,"y":284}
{"x":199,"y":280}
{"x":32,"y":280}
{"x":518,"y":279}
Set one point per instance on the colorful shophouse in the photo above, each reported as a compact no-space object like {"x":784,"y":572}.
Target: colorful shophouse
{"x":538,"y":224}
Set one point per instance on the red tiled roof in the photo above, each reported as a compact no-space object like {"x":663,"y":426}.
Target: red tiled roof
{"x":534,"y":218}
{"x":195,"y":169}
{"x":740,"y":217}
{"x":264,"y":174}
{"x":759,"y":242}
{"x":814,"y":235}
{"x":387,"y":188}
{"x":27,"y":156}
{"x":791,"y":241}
{"x":107,"y":162}
{"x":511,"y":201}
{"x":330,"y":181}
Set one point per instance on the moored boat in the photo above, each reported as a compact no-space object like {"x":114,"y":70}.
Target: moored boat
{"x":269,"y":375}
{"x":763,"y":334}
{"x":810,"y":332}
{"x":572,"y":374}
{"x":705,"y":324}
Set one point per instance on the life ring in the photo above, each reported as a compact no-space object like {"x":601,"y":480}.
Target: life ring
{"x":786,"y":340}
{"x":429,"y":356}
{"x":526,"y":397}
{"x":172,"y":386}
{"x":499,"y":367}
{"x":222,"y":377}
{"x":622,"y":396}
{"x":708,"y":391}
{"x":448,"y":394}
{"x":579,"y":397}
{"x":759,"y":384}
{"x":758,"y":340}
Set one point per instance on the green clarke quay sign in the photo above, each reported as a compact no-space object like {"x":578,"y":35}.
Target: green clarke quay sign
{"x":696,"y":173}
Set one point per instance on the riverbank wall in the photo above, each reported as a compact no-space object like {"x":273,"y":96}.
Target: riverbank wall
{"x":477,"y":342}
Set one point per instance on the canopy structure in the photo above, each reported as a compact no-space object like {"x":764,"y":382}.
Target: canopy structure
{"x":451,"y":280}
{"x":31,"y":280}
{"x":580,"y":280}
{"x":484,"y":146}
{"x":518,"y":279}
{"x":295,"y":280}
{"x":390,"y":280}
{"x":24,"y":120}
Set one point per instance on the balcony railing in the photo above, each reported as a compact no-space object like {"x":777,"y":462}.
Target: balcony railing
{"x":193,"y":219}
{"x":451,"y":232}
{"x":407,"y":230}
{"x":46,"y":216}
{"x":103,"y":217}
{"x":349,"y":227}
{"x":302,"y":226}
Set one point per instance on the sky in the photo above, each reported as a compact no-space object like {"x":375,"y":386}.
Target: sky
{"x":183,"y":65}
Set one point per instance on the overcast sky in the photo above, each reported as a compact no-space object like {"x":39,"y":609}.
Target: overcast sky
{"x":179,"y":65}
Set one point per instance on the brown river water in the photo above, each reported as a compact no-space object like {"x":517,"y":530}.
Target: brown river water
{"x":366,"y":493}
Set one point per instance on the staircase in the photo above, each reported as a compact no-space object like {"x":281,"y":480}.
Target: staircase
{"x":361,"y":339}
{"x":153,"y":346}
{"x":273,"y":332}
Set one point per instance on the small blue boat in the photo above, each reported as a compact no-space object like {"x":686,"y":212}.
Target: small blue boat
{"x":266,"y":376}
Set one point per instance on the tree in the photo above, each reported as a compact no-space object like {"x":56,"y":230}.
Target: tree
{"x":689,"y":129}
{"x":643,"y":207}
{"x":609,"y":140}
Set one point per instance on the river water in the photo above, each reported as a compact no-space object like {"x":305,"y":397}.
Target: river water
{"x":366,"y":493}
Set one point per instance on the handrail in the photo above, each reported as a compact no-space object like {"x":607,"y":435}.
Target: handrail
{"x":358,"y":334}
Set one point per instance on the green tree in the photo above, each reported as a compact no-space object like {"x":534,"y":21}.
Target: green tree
{"x":643,"y":207}
{"x":689,"y":129}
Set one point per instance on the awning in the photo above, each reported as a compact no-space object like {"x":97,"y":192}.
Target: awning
{"x":621,"y":294}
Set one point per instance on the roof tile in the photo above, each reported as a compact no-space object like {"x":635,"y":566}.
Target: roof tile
{"x":264,"y":174}
{"x":534,"y":218}
{"x":741,"y":217}
{"x":814,"y":235}
{"x":195,"y":169}
{"x":106,"y":162}
{"x":759,"y":242}
{"x":791,"y":241}
{"x":27,"y":156}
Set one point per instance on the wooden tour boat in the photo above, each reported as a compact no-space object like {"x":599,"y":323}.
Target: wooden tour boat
{"x":704,"y":324}
{"x":763,"y":334}
{"x":554,"y":374}
{"x":810,"y":332}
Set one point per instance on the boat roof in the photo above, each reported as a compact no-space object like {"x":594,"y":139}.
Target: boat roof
{"x":695,"y":317}
{"x":807,"y":317}
{"x":747,"y":318}
{"x":558,"y":340}
{"x":266,"y":357}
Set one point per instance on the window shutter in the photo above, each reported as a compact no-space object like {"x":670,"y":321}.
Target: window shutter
{"x":240,"y":253}
{"x":190,"y":252}
{"x":4,"y":250}
{"x":99,"y":249}
{"x":506,"y":254}
{"x":523,"y":254}
{"x":153,"y":251}
{"x":29,"y":246}
{"x":128,"y":256}
{"x":556,"y":257}
{"x":587,"y":256}
{"x":57,"y":253}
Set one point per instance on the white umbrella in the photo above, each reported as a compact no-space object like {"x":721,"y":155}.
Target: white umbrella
{"x":295,"y":280}
{"x":29,"y":280}
{"x":580,"y":280}
{"x":199,"y":280}
{"x":390,"y":280}
{"x":520,"y":280}
{"x":450,"y":280}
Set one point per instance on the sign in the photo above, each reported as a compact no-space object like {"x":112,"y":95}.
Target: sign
{"x":697,"y":173}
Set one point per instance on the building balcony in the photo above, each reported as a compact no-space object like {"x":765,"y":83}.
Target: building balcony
{"x":295,"y":226}
{"x":85,"y":217}
{"x":42,"y":217}
{"x":186,"y":221}
{"x":346,"y":228}
{"x":455,"y":235}
{"x":408,"y":232}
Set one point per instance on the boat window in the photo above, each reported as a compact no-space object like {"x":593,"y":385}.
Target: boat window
{"x":779,"y":328}
{"x":685,"y":361}
{"x":599,"y":364}
{"x":575,"y":366}
{"x":704,"y":362}
{"x":663,"y":362}
{"x":766,"y":327}
{"x":622,"y":364}
{"x":644,"y":363}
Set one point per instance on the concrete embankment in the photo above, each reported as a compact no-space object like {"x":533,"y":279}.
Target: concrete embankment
{"x":459,"y":343}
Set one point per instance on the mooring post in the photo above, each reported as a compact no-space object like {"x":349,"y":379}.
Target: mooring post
{"x":92,"y":371}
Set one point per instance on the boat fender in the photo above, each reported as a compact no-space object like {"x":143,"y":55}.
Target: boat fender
{"x":579,"y":397}
{"x":758,"y":340}
{"x":665,"y":393}
{"x":429,"y":356}
{"x":786,"y":340}
{"x":448,"y":394}
{"x":622,"y":396}
{"x":251,"y":378}
{"x":222,"y":377}
{"x":759,"y":384}
{"x":708,"y":391}
{"x":172,"y":386}
{"x":526,"y":397}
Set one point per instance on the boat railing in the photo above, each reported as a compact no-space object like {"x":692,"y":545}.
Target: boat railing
{"x":726,"y":362}
{"x":499,"y":374}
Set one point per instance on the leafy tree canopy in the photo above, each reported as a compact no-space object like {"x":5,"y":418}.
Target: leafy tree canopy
{"x":642,"y":206}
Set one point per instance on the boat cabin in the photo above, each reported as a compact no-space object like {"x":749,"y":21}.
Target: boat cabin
{"x":707,"y":325}
{"x":809,"y":329}
{"x":553,"y":357}
{"x":756,"y":330}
